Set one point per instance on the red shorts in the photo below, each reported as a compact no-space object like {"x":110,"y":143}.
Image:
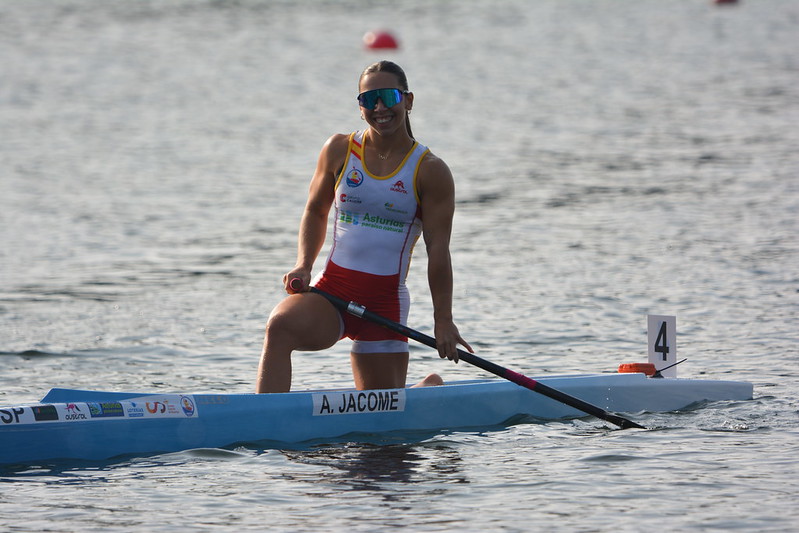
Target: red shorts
{"x":383,"y":295}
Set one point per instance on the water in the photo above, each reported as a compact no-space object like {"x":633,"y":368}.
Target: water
{"x":612,"y":159}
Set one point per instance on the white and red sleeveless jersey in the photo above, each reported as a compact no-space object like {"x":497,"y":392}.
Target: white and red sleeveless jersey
{"x":378,"y":218}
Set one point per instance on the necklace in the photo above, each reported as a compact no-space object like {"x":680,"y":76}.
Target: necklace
{"x":383,"y":157}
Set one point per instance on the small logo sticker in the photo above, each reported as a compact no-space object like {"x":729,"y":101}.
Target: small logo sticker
{"x":399,"y":187}
{"x":354,"y":178}
{"x":105,"y":409}
{"x":390,"y":207}
{"x":43,"y":413}
{"x":187,"y":405}
{"x":349,"y":218}
{"x":348,"y":198}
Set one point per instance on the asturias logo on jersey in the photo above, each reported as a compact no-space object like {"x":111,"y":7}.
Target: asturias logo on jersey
{"x":354,"y":177}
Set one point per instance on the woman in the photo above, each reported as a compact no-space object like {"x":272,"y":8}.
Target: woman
{"x":383,"y":184}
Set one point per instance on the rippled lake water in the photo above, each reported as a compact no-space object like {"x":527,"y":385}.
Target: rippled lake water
{"x":612,"y":159}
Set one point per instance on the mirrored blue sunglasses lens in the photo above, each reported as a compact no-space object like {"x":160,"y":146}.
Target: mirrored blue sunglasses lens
{"x":390,"y":98}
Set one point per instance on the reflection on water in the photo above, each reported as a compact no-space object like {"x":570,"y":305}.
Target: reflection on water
{"x":379,"y":468}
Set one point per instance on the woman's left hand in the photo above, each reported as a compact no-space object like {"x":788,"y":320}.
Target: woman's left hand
{"x":447,"y":340}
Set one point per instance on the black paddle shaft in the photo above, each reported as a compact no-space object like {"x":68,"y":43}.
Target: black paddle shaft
{"x":520,"y":379}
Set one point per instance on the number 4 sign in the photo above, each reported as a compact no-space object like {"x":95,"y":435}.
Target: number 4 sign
{"x":662,"y":334}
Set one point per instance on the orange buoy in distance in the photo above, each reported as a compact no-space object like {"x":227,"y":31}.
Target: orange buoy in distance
{"x":380,"y":40}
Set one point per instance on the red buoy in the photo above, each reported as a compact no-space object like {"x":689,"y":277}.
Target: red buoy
{"x":642,"y":368}
{"x":379,"y":40}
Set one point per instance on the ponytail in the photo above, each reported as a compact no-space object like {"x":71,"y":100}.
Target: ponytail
{"x":408,"y":124}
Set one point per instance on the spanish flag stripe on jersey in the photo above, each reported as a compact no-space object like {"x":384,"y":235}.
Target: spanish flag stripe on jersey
{"x":356,"y":148}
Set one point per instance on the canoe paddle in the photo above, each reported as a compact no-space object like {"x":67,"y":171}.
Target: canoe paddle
{"x":519,"y":379}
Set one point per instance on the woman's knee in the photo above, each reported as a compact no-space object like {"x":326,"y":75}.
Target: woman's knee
{"x":280,"y":327}
{"x":302,"y":325}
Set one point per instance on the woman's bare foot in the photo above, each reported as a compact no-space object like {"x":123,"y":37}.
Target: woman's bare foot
{"x":431,"y":380}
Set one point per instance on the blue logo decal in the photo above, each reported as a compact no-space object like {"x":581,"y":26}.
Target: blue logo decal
{"x":354,"y":177}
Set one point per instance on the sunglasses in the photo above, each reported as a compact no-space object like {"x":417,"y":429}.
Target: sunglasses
{"x":390,"y":97}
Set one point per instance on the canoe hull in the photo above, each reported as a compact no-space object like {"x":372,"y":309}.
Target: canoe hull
{"x":74,"y":424}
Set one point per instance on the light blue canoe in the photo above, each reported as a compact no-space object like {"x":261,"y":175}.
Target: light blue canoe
{"x":76,"y":424}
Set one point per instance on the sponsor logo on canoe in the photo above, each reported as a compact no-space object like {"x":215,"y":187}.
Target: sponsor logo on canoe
{"x":11,"y":415}
{"x":74,"y":412}
{"x":134,"y":410}
{"x":104,"y":409}
{"x":168,"y":407}
{"x":353,"y":402}
{"x":171,"y":406}
{"x":155,"y":407}
{"x":187,"y":405}
{"x":44,"y":413}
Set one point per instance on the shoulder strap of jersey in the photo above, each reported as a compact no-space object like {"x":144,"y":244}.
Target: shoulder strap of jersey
{"x":354,"y":148}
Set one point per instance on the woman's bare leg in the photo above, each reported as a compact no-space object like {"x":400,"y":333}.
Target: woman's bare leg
{"x":379,"y":370}
{"x":302,"y":321}
{"x":385,"y":371}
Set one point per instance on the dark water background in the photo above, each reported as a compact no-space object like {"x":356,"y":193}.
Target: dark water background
{"x":612,"y":159}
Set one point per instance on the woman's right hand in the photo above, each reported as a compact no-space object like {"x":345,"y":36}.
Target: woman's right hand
{"x":296,"y":281}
